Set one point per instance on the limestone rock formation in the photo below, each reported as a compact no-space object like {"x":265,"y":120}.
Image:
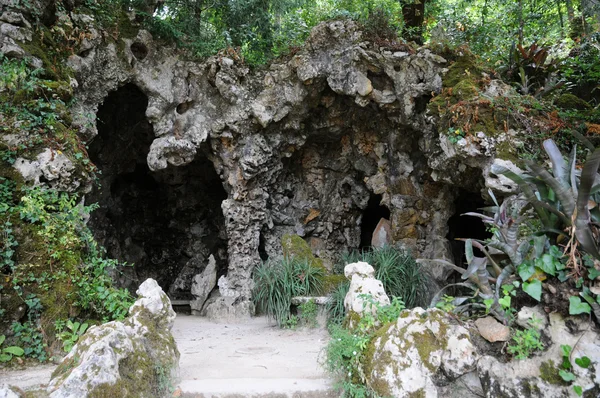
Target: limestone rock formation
{"x":50,"y":166}
{"x":362,"y":282}
{"x":203,"y":284}
{"x":423,"y":348}
{"x":134,"y":358}
{"x":7,"y":391}
{"x":538,"y":376}
{"x":200,"y":158}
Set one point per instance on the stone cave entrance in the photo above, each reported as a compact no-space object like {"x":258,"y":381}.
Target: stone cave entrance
{"x":371,"y":216}
{"x":465,"y":227}
{"x":166,"y":223}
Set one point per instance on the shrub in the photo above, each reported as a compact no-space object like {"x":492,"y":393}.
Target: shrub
{"x":400,"y":274}
{"x":275,"y":283}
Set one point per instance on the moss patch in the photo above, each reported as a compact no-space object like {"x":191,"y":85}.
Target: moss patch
{"x":572,"y":102}
{"x":549,"y":373}
{"x":296,"y":247}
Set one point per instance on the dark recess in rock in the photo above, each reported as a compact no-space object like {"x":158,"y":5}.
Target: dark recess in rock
{"x":370,"y":218}
{"x":165,"y":223}
{"x":139,"y":50}
{"x":465,"y":227}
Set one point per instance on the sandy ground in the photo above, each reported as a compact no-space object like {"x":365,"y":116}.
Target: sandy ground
{"x":230,"y":358}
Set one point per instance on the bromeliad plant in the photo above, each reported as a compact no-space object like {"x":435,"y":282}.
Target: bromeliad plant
{"x":565,"y":202}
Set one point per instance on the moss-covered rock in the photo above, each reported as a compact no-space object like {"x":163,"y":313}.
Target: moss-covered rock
{"x":296,"y":247}
{"x":134,"y":358}
{"x":408,"y":357}
{"x":572,"y":102}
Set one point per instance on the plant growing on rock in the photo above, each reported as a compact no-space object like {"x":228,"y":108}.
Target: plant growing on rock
{"x":276,"y":282}
{"x":561,"y":201}
{"x":346,"y":349}
{"x":397,"y":270}
{"x":7,"y":353}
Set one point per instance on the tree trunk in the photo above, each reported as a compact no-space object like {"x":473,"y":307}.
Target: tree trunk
{"x":414,"y":16}
{"x":521,"y":22}
{"x":560,"y":18}
{"x":570,"y":11}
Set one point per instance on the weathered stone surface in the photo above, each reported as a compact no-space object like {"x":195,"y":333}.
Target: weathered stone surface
{"x":492,"y":330}
{"x":535,"y":317}
{"x":7,"y":391}
{"x":362,"y":282}
{"x":129,"y":358}
{"x":203,"y":284}
{"x":538,"y":375}
{"x":299,"y":146}
{"x":51,"y":168}
{"x":408,"y":357}
{"x":382,"y":236}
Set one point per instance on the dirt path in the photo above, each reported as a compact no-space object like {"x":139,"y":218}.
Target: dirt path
{"x":253,"y":358}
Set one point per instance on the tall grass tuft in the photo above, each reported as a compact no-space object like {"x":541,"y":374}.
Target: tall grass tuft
{"x":400,"y":274}
{"x":335,"y":307}
{"x":276,"y":282}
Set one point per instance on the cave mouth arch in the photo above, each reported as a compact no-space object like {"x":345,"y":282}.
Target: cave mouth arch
{"x":371,"y":216}
{"x":165,"y":223}
{"x":465,"y":227}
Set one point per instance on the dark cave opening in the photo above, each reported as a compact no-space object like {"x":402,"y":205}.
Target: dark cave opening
{"x":166,"y":223}
{"x":465,"y":227}
{"x":371,"y":216}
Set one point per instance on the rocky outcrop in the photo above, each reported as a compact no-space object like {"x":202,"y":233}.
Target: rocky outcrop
{"x":538,"y":376}
{"x":417,"y":352}
{"x":364,"y":294}
{"x":134,"y":358}
{"x":299,"y":147}
{"x":203,"y":284}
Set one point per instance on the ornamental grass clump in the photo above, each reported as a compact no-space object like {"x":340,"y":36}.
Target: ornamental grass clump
{"x":276,"y":282}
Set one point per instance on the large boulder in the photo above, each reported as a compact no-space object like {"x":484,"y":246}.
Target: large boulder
{"x":420,"y":350}
{"x":134,"y":358}
{"x":538,"y":376}
{"x":364,"y":292}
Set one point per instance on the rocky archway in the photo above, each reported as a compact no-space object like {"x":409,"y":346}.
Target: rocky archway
{"x":165,"y":223}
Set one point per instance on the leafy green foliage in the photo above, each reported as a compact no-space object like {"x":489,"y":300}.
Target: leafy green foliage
{"x":308,"y":313}
{"x":565,"y":371}
{"x":346,"y":348}
{"x":69,"y":332}
{"x":7,"y":353}
{"x":526,"y":342}
{"x":576,"y":306}
{"x":29,"y":336}
{"x":275,"y":283}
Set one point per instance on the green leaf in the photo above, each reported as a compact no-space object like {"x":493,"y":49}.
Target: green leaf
{"x":505,"y":302}
{"x":5,"y":357}
{"x":576,"y":306}
{"x":566,"y":350}
{"x":17,"y":351}
{"x":566,"y":376}
{"x":2,"y":338}
{"x":526,"y":270}
{"x":546,"y":263}
{"x":593,"y":273}
{"x":584,"y":362}
{"x":534,"y":289}
{"x":578,"y":390}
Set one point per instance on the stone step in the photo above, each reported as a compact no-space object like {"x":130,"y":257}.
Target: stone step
{"x":180,"y":302}
{"x":258,"y":388}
